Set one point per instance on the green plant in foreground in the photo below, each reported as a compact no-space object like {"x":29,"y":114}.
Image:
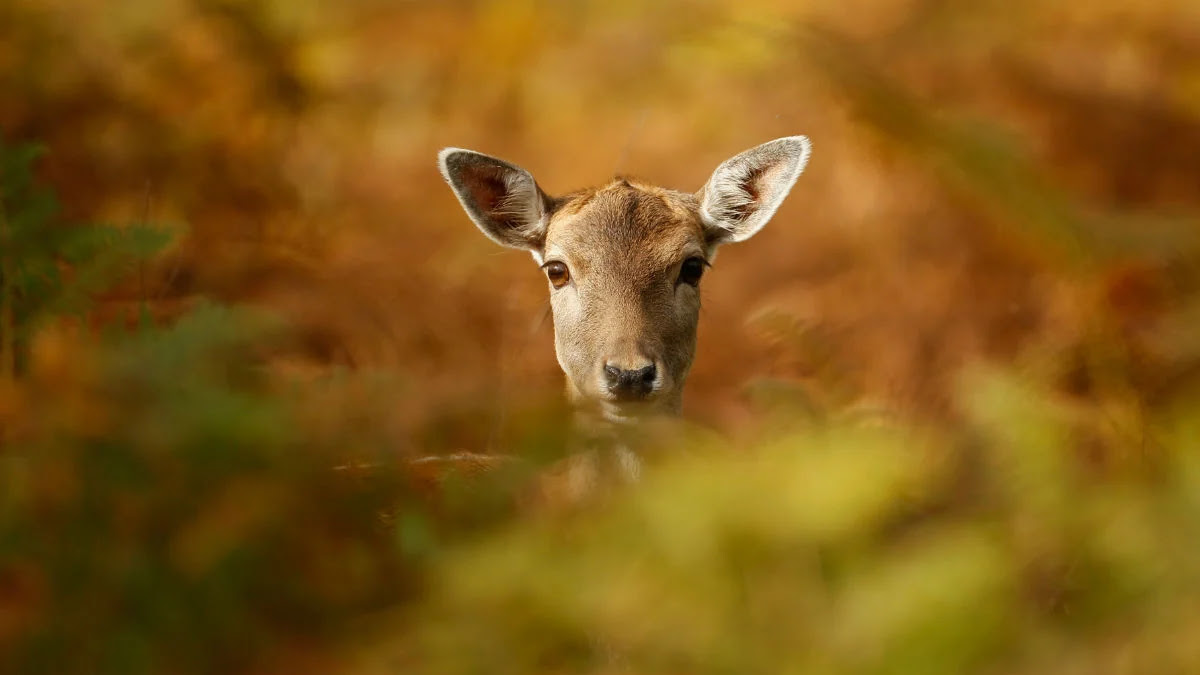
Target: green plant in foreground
{"x":165,"y":505}
{"x":162,"y":510}
{"x":845,"y":550}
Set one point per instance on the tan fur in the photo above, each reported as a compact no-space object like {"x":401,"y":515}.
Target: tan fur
{"x":624,"y":243}
{"x":625,"y":306}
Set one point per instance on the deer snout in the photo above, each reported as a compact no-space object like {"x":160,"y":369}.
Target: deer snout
{"x":630,"y":383}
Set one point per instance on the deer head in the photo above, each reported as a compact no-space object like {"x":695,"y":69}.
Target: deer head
{"x":624,"y":262}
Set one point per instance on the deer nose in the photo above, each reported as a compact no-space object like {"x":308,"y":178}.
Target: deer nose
{"x":630,"y":383}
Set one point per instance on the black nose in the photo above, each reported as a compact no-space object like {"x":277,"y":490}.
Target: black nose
{"x":630,"y":384}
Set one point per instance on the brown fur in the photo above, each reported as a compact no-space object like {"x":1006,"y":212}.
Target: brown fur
{"x":615,"y":257}
{"x":624,"y":305}
{"x":624,"y":243}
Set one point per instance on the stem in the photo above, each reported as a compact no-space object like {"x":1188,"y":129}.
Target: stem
{"x":8,"y":337}
{"x":143,"y":306}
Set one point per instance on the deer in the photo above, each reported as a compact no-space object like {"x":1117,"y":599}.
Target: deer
{"x":623,"y":263}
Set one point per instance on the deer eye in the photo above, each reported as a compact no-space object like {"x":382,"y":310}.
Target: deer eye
{"x":557,"y":273}
{"x":691,"y":270}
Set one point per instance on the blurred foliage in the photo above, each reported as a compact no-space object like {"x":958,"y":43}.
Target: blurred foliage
{"x":955,"y":380}
{"x":161,"y":513}
{"x":845,"y":550}
{"x":36,"y":253}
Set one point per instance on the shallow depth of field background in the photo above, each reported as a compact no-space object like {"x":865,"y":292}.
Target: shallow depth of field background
{"x":946,"y":399}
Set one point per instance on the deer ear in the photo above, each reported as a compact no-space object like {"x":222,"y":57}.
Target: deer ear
{"x":503,"y":199}
{"x":744,"y":191}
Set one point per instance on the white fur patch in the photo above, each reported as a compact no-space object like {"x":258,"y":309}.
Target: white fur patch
{"x":630,"y":464}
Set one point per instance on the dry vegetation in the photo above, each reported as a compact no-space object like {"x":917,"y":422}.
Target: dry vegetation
{"x":948,"y":395}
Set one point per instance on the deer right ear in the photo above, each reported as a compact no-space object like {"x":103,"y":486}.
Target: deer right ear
{"x":503,"y":199}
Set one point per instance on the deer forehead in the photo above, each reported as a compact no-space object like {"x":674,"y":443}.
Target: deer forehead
{"x":633,"y":230}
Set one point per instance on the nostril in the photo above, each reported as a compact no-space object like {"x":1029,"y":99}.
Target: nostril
{"x":612,"y":374}
{"x":648,"y":374}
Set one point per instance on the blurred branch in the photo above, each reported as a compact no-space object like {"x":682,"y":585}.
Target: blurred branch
{"x":978,"y":159}
{"x":8,"y":341}
{"x":969,"y":156}
{"x":263,"y":49}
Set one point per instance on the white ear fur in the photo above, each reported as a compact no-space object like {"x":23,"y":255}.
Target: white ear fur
{"x":502,"y":199}
{"x":745,"y":190}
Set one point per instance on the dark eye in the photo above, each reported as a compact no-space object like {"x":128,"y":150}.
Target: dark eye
{"x":691,"y":271}
{"x":557,"y":273}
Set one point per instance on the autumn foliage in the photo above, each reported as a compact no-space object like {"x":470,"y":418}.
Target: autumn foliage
{"x":942,"y":417}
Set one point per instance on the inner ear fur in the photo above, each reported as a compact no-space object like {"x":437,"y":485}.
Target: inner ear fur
{"x":503,"y":200}
{"x":746,"y":189}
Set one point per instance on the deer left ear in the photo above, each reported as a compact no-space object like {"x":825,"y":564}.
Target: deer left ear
{"x":502,"y":199}
{"x":744,"y":191}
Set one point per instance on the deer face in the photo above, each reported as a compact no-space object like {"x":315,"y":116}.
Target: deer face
{"x":624,"y":262}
